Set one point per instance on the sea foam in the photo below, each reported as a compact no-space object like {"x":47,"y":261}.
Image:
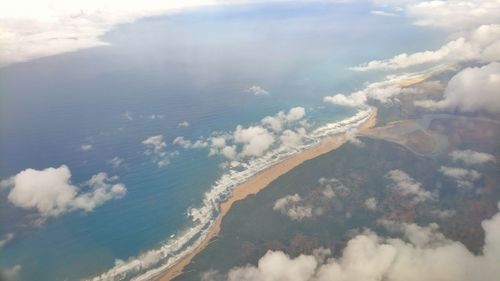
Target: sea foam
{"x":152,"y":263}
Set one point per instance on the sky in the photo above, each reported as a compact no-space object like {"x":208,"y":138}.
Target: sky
{"x":32,"y":29}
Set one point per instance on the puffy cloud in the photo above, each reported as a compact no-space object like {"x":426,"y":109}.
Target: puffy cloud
{"x":51,"y":193}
{"x":482,"y":45}
{"x":6,"y":239}
{"x":276,"y":266}
{"x":11,"y":273}
{"x":183,"y":124}
{"x":315,"y":203}
{"x":471,"y":157}
{"x":255,"y":139}
{"x":293,"y":139}
{"x":352,"y":138}
{"x":328,"y":192}
{"x":257,"y":90}
{"x":355,"y":99}
{"x":371,"y":203}
{"x":282,"y":119}
{"x":86,"y":147}
{"x":295,"y":114}
{"x":408,"y":186}
{"x":455,"y":14}
{"x":229,"y":152}
{"x":293,"y":207}
{"x":472,"y":89}
{"x":155,"y":146}
{"x":187,"y":144}
{"x":284,"y":130}
{"x":418,"y":235}
{"x":463,"y":177}
{"x":385,"y":91}
{"x":116,"y":162}
{"x":421,"y":254}
{"x":333,"y":185}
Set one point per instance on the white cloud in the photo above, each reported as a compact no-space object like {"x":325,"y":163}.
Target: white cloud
{"x":255,"y":139}
{"x":155,"y":146}
{"x":443,"y":214}
{"x":292,"y":139}
{"x":280,"y":120}
{"x":455,"y":14}
{"x":385,"y":91}
{"x":11,"y":273}
{"x":183,"y":124}
{"x":355,"y":99}
{"x":257,"y":91}
{"x":6,"y":183}
{"x":463,"y":177}
{"x":187,"y":144}
{"x":276,"y":266}
{"x":8,"y":237}
{"x":418,"y":235}
{"x":116,"y":162}
{"x":383,"y":13}
{"x":33,"y":29}
{"x":423,"y":254}
{"x":471,"y":157}
{"x":229,"y":152}
{"x":293,"y":207}
{"x":86,"y":147}
{"x":295,"y":114}
{"x":328,"y":191}
{"x":408,"y":186}
{"x":472,"y":89}
{"x":313,"y":204}
{"x":371,"y":203}
{"x":284,"y":130}
{"x":51,"y":193}
{"x":482,"y":45}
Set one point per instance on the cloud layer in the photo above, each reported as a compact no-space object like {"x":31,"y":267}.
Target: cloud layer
{"x":482,"y":45}
{"x":32,"y":29}
{"x":472,"y":89}
{"x":51,"y":193}
{"x":421,"y":254}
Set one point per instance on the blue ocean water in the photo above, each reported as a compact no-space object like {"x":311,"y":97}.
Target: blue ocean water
{"x":194,"y":66}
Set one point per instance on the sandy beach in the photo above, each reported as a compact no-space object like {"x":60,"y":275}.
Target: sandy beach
{"x":259,"y":182}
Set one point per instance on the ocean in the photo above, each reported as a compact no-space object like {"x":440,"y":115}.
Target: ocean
{"x":195,"y":66}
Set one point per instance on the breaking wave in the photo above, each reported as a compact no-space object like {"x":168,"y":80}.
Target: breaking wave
{"x":152,"y":263}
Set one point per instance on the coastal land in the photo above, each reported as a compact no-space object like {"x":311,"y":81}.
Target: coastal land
{"x":259,"y":182}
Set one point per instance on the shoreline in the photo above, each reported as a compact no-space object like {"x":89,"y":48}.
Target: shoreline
{"x":258,"y":182}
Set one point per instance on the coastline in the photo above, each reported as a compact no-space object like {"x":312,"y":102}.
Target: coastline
{"x":260,"y":181}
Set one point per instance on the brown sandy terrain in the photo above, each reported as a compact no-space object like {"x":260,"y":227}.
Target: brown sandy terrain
{"x":259,"y":182}
{"x":406,"y":133}
{"x":421,"y":142}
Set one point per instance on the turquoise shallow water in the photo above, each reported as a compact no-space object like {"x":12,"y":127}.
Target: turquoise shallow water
{"x":193,"y":67}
